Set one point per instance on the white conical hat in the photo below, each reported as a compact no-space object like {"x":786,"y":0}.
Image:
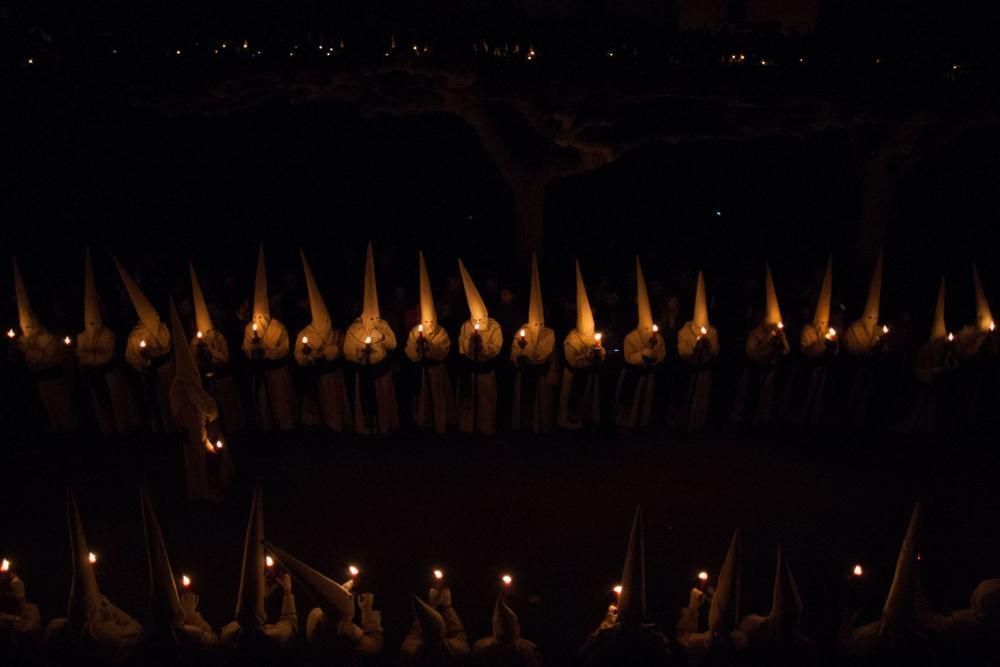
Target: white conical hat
{"x":185,"y":365}
{"x":700,"y":304}
{"x":786,"y":605}
{"x":642,"y":298}
{"x":431,"y":623}
{"x":428,"y":315}
{"x":250,"y":612}
{"x":27,"y":319}
{"x":632,"y":601}
{"x":91,"y":305}
{"x":821,"y":319}
{"x":317,"y":307}
{"x":369,"y":311}
{"x":536,"y":311}
{"x":874,"y":296}
{"x":261,"y":304}
{"x":584,"y":315}
{"x":984,"y":318}
{"x":143,"y":308}
{"x":84,"y":595}
{"x":939,"y":329}
{"x":164,"y":603}
{"x":506,"y":627}
{"x":335,"y":600}
{"x":477,"y":308}
{"x":772,"y":314}
{"x":724,"y":613}
{"x":202,"y":316}
{"x":899,"y":602}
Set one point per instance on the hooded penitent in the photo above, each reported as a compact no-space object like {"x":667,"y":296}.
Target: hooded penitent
{"x":984,"y":318}
{"x":536,"y":312}
{"x":642,"y":300}
{"x":477,"y":308}
{"x":261,"y":304}
{"x":164,"y":603}
{"x":84,"y":596}
{"x":432,"y":626}
{"x":143,"y":308}
{"x":772,"y":314}
{"x":584,"y":316}
{"x":202,"y":317}
{"x":632,"y":601}
{"x":939,"y":330}
{"x":724,"y":614}
{"x":899,"y":603}
{"x":27,"y":319}
{"x":185,"y":366}
{"x":317,"y":307}
{"x":786,"y":605}
{"x":821,"y":318}
{"x":91,"y":306}
{"x":506,"y":628}
{"x":335,"y":600}
{"x":870,"y":316}
{"x":250,"y":611}
{"x":700,"y":305}
{"x":428,"y":316}
{"x":369,"y":313}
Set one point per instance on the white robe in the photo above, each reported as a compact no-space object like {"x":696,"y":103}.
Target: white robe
{"x":766,"y":344}
{"x":477,"y":390}
{"x":373,"y":358}
{"x":534,"y":362}
{"x":324,"y":348}
{"x":154,"y":363}
{"x":212,"y":354}
{"x":44,"y":355}
{"x":698,"y":350}
{"x":110,"y":396}
{"x":643,"y":352}
{"x":435,"y":404}
{"x":580,"y":392}
{"x":276,"y":394}
{"x":193,"y":410}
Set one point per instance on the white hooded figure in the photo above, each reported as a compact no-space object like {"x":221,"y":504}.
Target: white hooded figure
{"x":367,"y":346}
{"x":20,"y":620}
{"x":863,"y":335}
{"x":973,"y":337}
{"x":479,"y":342}
{"x":110,"y":398}
{"x":207,"y":467}
{"x":976,"y":347}
{"x":537,"y":368}
{"x":933,"y":366}
{"x":175,"y":631}
{"x":698,"y":345}
{"x":864,"y":341}
{"x":320,"y":349}
{"x":777,"y":639}
{"x":580,"y":392}
{"x":644,"y":350}
{"x":967,"y":635}
{"x":331,"y":633}
{"x":765,"y":347}
{"x":505,"y":647}
{"x":148,"y":353}
{"x":625,"y":637}
{"x":44,"y":355}
{"x":437,"y":637}
{"x":895,"y":635}
{"x":249,"y":634}
{"x":211,"y":351}
{"x":265,"y":343}
{"x":719,"y":643}
{"x":94,"y":630}
{"x":428,"y":345}
{"x":819,"y":344}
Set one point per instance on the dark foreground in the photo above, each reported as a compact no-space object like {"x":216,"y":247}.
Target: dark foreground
{"x":552,"y":511}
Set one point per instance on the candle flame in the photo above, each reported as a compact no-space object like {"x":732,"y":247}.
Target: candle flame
{"x":67,"y":340}
{"x":254,"y":326}
{"x":185,"y":581}
{"x":885,"y":329}
{"x":522,"y":333}
{"x":92,"y":557}
{"x":5,"y":565}
{"x":781,"y":325}
{"x":476,"y":326}
{"x":199,"y":335}
{"x":11,"y":334}
{"x":704,"y":331}
{"x":218,"y":444}
{"x":354,"y":571}
{"x":420,"y":328}
{"x":507,"y":579}
{"x":368,"y":340}
{"x":617,"y":589}
{"x":268,"y":561}
{"x":598,"y":336}
{"x":951,"y":337}
{"x":993,"y":326}
{"x":142,"y":344}
{"x":438,"y":574}
{"x":305,"y":340}
{"x":703,"y":576}
{"x":656,"y":328}
{"x":858,"y":571}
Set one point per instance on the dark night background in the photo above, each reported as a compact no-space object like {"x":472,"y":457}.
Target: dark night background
{"x":850,"y":126}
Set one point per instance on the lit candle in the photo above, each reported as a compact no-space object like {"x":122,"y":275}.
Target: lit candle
{"x":92,"y":557}
{"x":142,"y":344}
{"x":993,"y":326}
{"x":703,"y":576}
{"x":355,"y":576}
{"x":858,"y":571}
{"x":254,"y":328}
{"x":656,"y":328}
{"x":5,"y":565}
{"x":420,"y":330}
{"x":885,"y":329}
{"x":218,"y":444}
{"x":522,"y":333}
{"x":704,"y":331}
{"x":781,"y":325}
{"x":305,"y":340}
{"x":951,"y":337}
{"x":11,"y":334}
{"x":67,"y":340}
{"x":268,"y":561}
{"x":185,"y":581}
{"x":438,"y":578}
{"x":597,"y":339}
{"x":618,"y":591}
{"x":476,"y":327}
{"x":831,"y":334}
{"x":368,"y":340}
{"x":199,"y":335}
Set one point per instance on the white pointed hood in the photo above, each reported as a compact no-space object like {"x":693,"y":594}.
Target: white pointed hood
{"x":632,"y":601}
{"x":724,"y":614}
{"x":250,"y":611}
{"x":772,"y":314}
{"x":506,"y":627}
{"x":821,"y":318}
{"x":536,"y":311}
{"x":261,"y":304}
{"x":143,"y":308}
{"x":938,"y":329}
{"x":584,"y":315}
{"x":700,"y":304}
{"x":984,"y":318}
{"x":317,"y":307}
{"x":370,"y":314}
{"x":871,"y":313}
{"x":202,"y":316}
{"x":642,"y":299}
{"x":164,"y":603}
{"x":428,"y":315}
{"x":185,"y":365}
{"x":91,"y":305}
{"x":84,"y":595}
{"x":27,"y":319}
{"x":431,"y":623}
{"x":477,"y":308}
{"x":335,"y":600}
{"x":899,"y":602}
{"x":786,"y":605}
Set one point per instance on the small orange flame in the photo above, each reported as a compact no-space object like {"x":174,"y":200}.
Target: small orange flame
{"x":142,"y":344}
{"x":268,"y":561}
{"x":11,"y":334}
{"x":507,"y":579}
{"x":185,"y":581}
{"x":703,"y":576}
{"x":617,"y":589}
{"x":5,"y":565}
{"x":656,"y":328}
{"x":199,"y":335}
{"x":858,"y":571}
{"x":368,"y":340}
{"x":439,"y":575}
{"x":92,"y":557}
{"x":354,"y":571}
